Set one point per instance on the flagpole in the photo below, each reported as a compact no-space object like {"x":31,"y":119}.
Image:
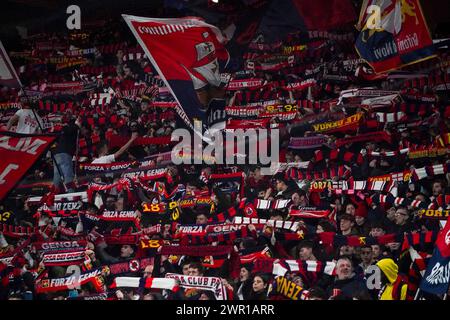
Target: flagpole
{"x":51,"y":152}
{"x":22,"y":88}
{"x":76,"y":155}
{"x":417,"y":294}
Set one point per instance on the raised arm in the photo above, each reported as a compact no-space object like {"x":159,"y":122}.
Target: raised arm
{"x":14,"y":119}
{"x":124,"y":148}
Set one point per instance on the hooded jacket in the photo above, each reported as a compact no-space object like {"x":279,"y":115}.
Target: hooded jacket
{"x":390,"y":270}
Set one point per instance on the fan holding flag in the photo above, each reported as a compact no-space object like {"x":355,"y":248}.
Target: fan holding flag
{"x":188,"y":54}
{"x":436,"y":279}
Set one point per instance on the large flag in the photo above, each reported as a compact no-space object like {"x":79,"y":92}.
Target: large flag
{"x":18,"y":153}
{"x":240,"y":18}
{"x":396,"y":37}
{"x":188,"y":54}
{"x":437,"y":277}
{"x":8,"y":75}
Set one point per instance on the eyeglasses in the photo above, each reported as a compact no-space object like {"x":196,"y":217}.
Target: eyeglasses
{"x":401,"y":213}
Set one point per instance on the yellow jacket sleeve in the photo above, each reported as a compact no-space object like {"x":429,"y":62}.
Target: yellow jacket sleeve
{"x":403,"y":293}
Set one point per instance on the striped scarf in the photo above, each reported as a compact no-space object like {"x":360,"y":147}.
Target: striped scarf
{"x":352,"y":187}
{"x":281,"y":266}
{"x":289,"y":225}
{"x":196,"y":251}
{"x":335,"y":240}
{"x":117,"y":140}
{"x":220,"y":237}
{"x":394,"y":117}
{"x":147,"y":283}
{"x":309,"y":212}
{"x":420,"y":241}
{"x":330,"y":173}
{"x":72,"y":281}
{"x":64,"y":258}
{"x":221,"y":217}
{"x":131,"y":56}
{"x":416,"y":271}
{"x":398,"y":201}
{"x":271,"y":204}
{"x":307,"y":142}
{"x":213,"y":284}
{"x":387,"y":153}
{"x":371,"y":136}
{"x":430,"y":171}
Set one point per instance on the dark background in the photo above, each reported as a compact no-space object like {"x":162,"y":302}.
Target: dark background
{"x":50,"y":15}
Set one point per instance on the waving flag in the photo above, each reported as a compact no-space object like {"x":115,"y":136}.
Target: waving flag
{"x":18,"y":153}
{"x":437,"y":277}
{"x":188,"y":54}
{"x":400,"y":38}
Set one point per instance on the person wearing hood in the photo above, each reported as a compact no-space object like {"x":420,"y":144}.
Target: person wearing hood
{"x":245,"y":285}
{"x":394,"y":286}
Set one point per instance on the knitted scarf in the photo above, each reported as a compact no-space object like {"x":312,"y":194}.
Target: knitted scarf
{"x":390,"y":199}
{"x":309,"y":212}
{"x":335,"y":240}
{"x":69,"y":282}
{"x":289,"y":225}
{"x":147,"y":283}
{"x":434,"y":214}
{"x":16,"y":231}
{"x":201,"y":283}
{"x":307,"y":142}
{"x":338,"y":171}
{"x":61,"y":258}
{"x":56,"y":246}
{"x":196,"y":251}
{"x":350,"y":123}
{"x":221,"y":234}
{"x":281,"y":266}
{"x":133,"y":265}
{"x":351,"y":187}
{"x":288,"y":289}
{"x":117,"y":140}
{"x":93,"y":168}
{"x":251,"y":83}
{"x":271,"y":204}
{"x":371,"y":136}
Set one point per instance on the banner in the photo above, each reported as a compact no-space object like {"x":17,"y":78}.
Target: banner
{"x":400,"y":38}
{"x":187,"y":53}
{"x":437,"y":277}
{"x":8,"y":75}
{"x":18,"y":153}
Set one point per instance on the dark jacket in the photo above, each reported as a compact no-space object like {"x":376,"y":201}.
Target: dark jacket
{"x":67,"y":142}
{"x":348,"y":287}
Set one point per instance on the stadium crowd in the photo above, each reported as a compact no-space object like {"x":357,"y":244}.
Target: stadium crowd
{"x":104,"y":214}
